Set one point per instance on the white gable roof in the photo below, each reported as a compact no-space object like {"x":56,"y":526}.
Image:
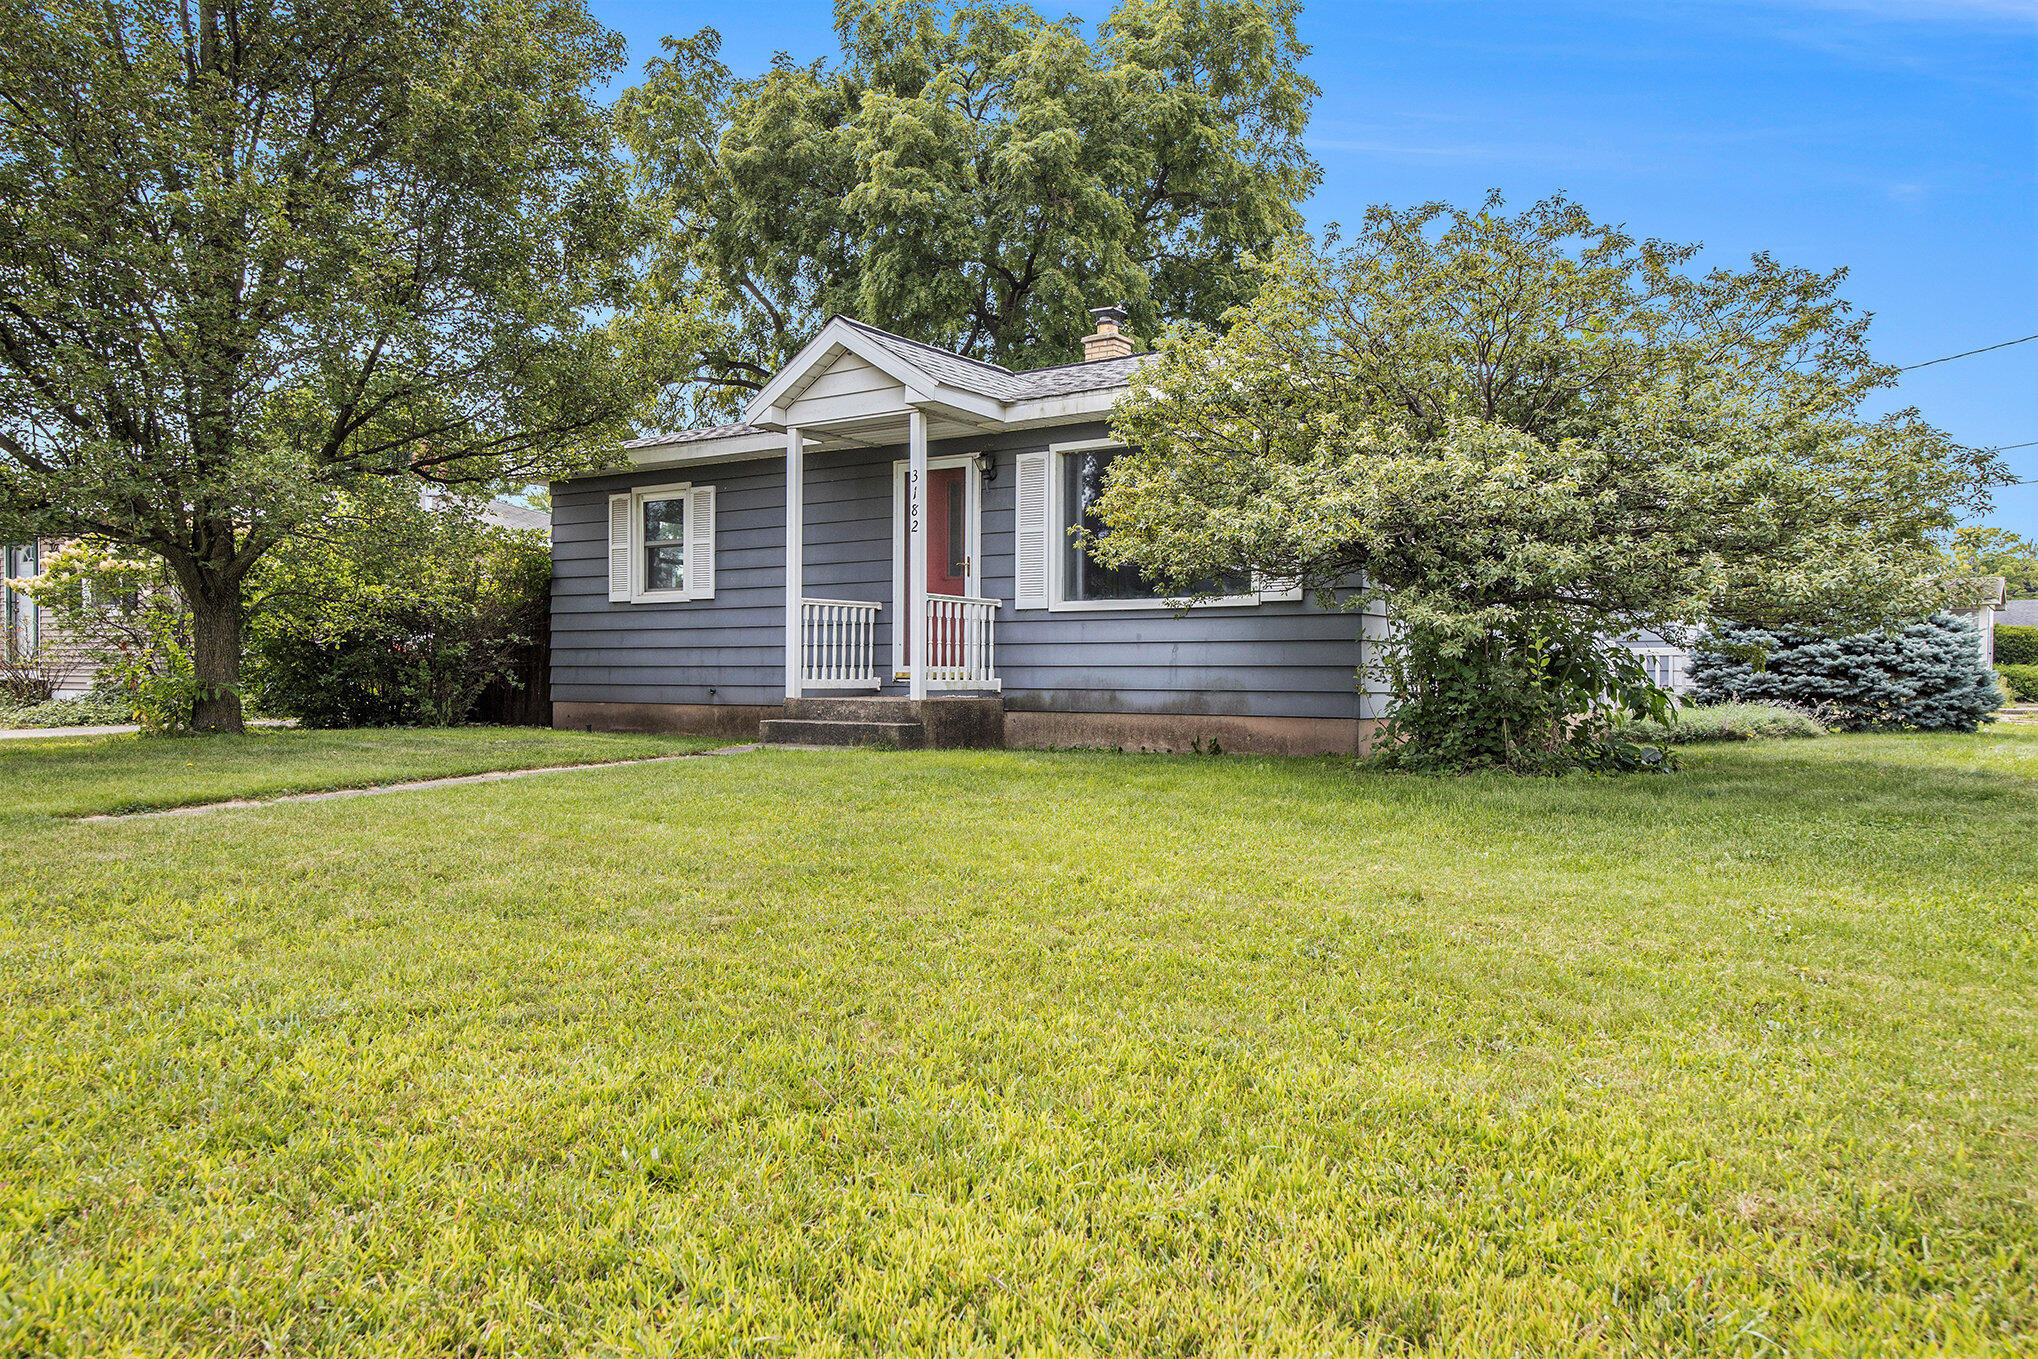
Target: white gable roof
{"x":854,"y":383}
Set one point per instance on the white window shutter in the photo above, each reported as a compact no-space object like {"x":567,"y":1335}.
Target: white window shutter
{"x":619,"y":549}
{"x":700,"y":543}
{"x":1033,"y":535}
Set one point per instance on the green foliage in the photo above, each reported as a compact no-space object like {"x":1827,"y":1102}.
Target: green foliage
{"x":399,"y":616}
{"x":1928,"y":675}
{"x":28,"y":673}
{"x":257,"y":255}
{"x":657,"y":1060}
{"x":2016,"y":645}
{"x":1535,"y":703}
{"x":155,"y":674}
{"x":1512,"y":428}
{"x":96,"y":709}
{"x":1696,"y":723}
{"x":1980,"y":550}
{"x":972,"y":175}
{"x":2023,"y":681}
{"x":127,"y":618}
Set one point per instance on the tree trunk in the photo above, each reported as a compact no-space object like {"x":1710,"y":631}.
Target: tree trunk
{"x":216,"y":661}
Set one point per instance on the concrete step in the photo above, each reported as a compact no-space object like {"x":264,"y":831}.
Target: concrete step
{"x":814,"y":731}
{"x":851,"y":708}
{"x":950,"y":720}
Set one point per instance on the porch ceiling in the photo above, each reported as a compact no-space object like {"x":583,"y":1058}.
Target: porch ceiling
{"x":886,"y":428}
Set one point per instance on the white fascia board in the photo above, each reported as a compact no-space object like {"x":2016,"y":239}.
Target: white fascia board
{"x":1037,"y":413}
{"x":736,"y":448}
{"x":968,"y":406}
{"x":1063,"y":410}
{"x":1085,"y":445}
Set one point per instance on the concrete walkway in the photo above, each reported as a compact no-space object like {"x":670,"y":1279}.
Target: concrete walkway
{"x":493,"y":776}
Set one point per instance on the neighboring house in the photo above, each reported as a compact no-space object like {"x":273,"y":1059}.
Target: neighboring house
{"x":507,"y":514}
{"x":510,"y":515}
{"x":1668,"y":664}
{"x":920,"y":485}
{"x":2019,"y":613}
{"x":1995,"y":594}
{"x":29,"y":628}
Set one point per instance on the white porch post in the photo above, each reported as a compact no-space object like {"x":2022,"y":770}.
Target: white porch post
{"x":916,"y":547}
{"x":795,"y":553}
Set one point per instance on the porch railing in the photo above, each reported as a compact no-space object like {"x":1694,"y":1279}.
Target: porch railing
{"x":838,"y":644}
{"x":962,"y":642}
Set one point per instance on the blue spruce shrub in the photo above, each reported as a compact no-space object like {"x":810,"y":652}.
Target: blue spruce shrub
{"x":1928,"y":676}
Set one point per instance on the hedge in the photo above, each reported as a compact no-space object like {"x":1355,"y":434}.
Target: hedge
{"x":2016,"y":645}
{"x":2023,"y":681}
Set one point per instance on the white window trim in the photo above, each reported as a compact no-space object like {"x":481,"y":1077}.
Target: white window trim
{"x":20,"y":605}
{"x":1676,"y":665}
{"x":678,"y":490}
{"x":973,"y":523}
{"x":1058,"y":531}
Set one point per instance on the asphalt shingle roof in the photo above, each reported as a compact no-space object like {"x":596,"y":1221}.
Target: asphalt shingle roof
{"x":687,"y":436}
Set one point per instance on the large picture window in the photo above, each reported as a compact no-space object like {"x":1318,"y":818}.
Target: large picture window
{"x":1083,"y":578}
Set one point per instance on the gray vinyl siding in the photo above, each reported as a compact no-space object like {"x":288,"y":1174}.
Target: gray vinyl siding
{"x":1274,"y":659}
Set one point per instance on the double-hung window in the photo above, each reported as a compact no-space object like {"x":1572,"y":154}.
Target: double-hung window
{"x":662,"y":544}
{"x":662,"y":530}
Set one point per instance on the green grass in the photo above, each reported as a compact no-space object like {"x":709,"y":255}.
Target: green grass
{"x":1698,"y":723}
{"x":851,"y":1053}
{"x":84,"y":775}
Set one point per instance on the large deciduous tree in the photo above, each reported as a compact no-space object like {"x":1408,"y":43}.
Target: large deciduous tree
{"x":973,"y":176}
{"x":1985,"y":550}
{"x":1527,"y":434}
{"x":253,"y":252}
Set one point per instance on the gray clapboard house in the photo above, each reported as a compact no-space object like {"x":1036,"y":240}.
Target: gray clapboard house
{"x":929,"y":590}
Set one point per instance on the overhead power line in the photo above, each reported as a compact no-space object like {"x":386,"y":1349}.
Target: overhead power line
{"x":1968,"y":354}
{"x":2004,"y":448}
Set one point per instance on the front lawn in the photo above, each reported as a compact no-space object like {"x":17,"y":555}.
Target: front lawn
{"x":87,"y":775}
{"x":800,"y":1052}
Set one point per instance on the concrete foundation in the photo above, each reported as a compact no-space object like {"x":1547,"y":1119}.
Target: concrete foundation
{"x":983,"y":723}
{"x":1177,"y":733}
{"x":678,"y":719}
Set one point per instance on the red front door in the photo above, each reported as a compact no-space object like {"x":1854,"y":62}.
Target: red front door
{"x":947,"y":532}
{"x":948,"y":563}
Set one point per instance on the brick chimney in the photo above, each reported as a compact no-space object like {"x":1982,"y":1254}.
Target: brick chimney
{"x":1110,"y":342}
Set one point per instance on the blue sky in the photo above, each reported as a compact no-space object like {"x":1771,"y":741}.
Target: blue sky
{"x":1898,"y":138}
